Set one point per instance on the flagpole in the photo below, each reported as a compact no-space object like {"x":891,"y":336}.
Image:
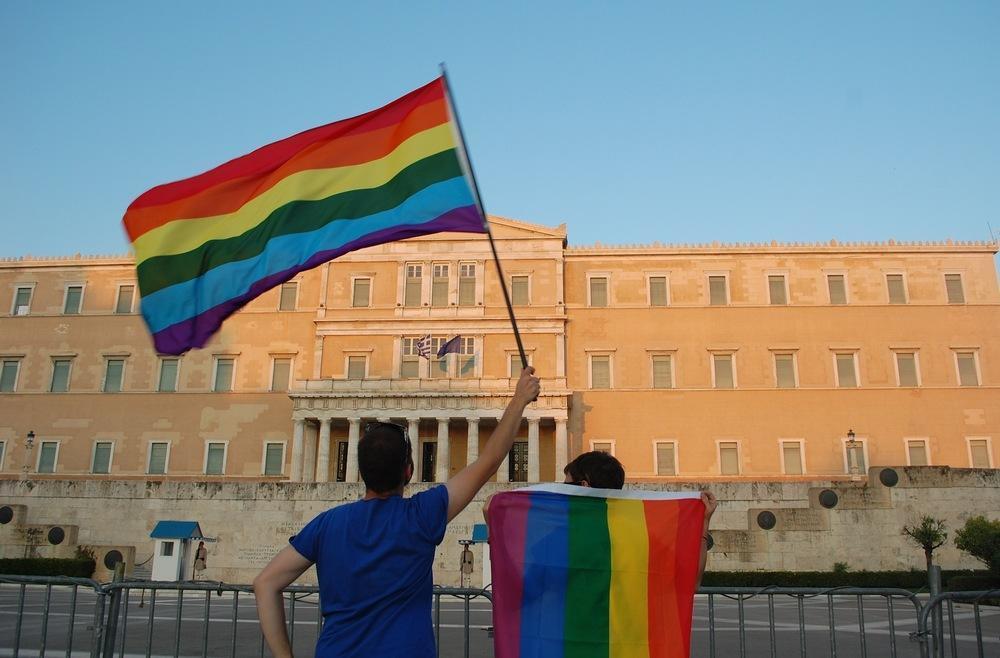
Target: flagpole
{"x":482,"y":213}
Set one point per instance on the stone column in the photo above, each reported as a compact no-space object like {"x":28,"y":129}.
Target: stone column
{"x":298,"y":431}
{"x":353,"y":434}
{"x":309,"y":453}
{"x":323,"y":452}
{"x":503,"y":473}
{"x":472,"y":445}
{"x":413,"y":430}
{"x":443,"y":452}
{"x":533,"y":475}
{"x":562,"y":449}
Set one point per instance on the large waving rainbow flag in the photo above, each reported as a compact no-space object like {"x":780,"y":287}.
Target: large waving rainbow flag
{"x":207,"y":245}
{"x":587,"y":573}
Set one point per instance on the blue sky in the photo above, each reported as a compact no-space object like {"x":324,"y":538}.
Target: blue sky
{"x":631,"y":122}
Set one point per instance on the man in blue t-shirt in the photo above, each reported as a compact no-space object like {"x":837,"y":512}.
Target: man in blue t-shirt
{"x":374,"y":557}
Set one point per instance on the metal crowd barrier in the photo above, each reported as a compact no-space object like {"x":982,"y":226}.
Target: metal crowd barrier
{"x":938,"y":640}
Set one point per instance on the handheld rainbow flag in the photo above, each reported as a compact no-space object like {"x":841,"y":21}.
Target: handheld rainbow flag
{"x":207,"y":245}
{"x":582,"y":573}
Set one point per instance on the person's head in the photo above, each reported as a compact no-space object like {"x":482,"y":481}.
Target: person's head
{"x":595,"y":469}
{"x":201,"y":544}
{"x":384,"y":457}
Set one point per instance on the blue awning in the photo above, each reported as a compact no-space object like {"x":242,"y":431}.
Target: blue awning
{"x":177,"y":530}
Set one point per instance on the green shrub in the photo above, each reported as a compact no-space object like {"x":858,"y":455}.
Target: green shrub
{"x":978,"y":583}
{"x":980,"y":538}
{"x":35,"y":566}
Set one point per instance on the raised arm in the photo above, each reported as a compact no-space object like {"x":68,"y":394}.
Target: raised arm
{"x":708,"y":498}
{"x":280,"y":572}
{"x":467,"y":482}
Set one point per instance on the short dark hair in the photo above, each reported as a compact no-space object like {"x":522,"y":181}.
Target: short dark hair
{"x":598,"y":468}
{"x":383,"y":455}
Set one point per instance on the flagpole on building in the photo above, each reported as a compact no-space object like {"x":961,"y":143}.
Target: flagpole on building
{"x":467,"y":163}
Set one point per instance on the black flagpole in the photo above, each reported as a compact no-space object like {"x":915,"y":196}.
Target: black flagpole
{"x":482,"y":212}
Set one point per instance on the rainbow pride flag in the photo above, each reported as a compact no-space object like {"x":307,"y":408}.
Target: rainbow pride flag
{"x":587,"y":573}
{"x":207,"y":245}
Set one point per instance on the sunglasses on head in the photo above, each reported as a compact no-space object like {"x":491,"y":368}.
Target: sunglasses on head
{"x":402,"y":433}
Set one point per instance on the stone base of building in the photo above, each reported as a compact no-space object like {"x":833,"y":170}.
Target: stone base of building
{"x":793,"y":526}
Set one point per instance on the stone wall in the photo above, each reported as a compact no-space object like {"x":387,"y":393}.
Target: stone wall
{"x":252,"y":521}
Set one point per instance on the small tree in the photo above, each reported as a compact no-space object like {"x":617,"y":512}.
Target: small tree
{"x":980,"y":538}
{"x":930,"y":535}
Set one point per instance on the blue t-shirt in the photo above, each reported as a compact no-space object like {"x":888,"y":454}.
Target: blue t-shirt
{"x":374,"y":560}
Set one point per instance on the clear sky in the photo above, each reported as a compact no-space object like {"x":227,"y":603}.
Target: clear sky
{"x":631,"y":122}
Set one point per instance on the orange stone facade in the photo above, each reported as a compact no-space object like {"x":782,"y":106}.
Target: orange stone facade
{"x":688,"y":362}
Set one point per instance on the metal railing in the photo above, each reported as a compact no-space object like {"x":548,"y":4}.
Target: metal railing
{"x":939,"y":639}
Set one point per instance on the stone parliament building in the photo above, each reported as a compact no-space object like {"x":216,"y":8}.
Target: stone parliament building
{"x":734,"y":364}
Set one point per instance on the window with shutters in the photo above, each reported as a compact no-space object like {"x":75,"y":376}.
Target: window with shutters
{"x":856,"y":456}
{"x":73,"y":301}
{"x":729,"y":458}
{"x":223,"y":378}
{"x":777,"y":291}
{"x":438,"y":367}
{"x":846,"y":365}
{"x":439,"y":285}
{"x":361,"y":293}
{"x":467,"y":284}
{"x":60,"y":375}
{"x":916,"y":452}
{"x":114,"y":373}
{"x":413,"y":291}
{"x":169,"y":369}
{"x":22,"y":300}
{"x":159,"y":456}
{"x":663,"y":372}
{"x":101,"y":461}
{"x":289,"y":296}
{"x":953,"y":286}
{"x":968,"y":368}
{"x":600,"y":371}
{"x":48,"y":455}
{"x":597,"y":292}
{"x":409,"y":366}
{"x":514,"y":364}
{"x":658,"y":295}
{"x":896,"y":287}
{"x":718,"y":289}
{"x":666,"y":458}
{"x":466,"y":357}
{"x":9,"y":370}
{"x":357,"y":366}
{"x":281,"y":373}
{"x":791,"y":457}
{"x":124,"y":302}
{"x":980,"y":453}
{"x":274,"y":458}
{"x":724,"y":370}
{"x":907,"y":373}
{"x":836,"y":287}
{"x":215,"y":458}
{"x":519,"y":292}
{"x":784,"y":370}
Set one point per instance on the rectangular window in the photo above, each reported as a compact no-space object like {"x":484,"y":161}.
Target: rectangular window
{"x":289,"y":296}
{"x":167,"y":549}
{"x":22,"y":301}
{"x":60,"y":375}
{"x":968,"y":373}
{"x":519,"y":290}
{"x":114,"y":372}
{"x":666,"y":458}
{"x":906,"y":367}
{"x":74,"y":295}
{"x":784,"y":370}
{"x":603,"y":446}
{"x":438,"y":365}
{"x":953,"y":286}
{"x":281,"y":372}
{"x":855,"y":457}
{"x":361,"y":296}
{"x":837,"y":289}
{"x":658,"y":291}
{"x":124,"y":303}
{"x":791,"y":454}
{"x":846,"y":372}
{"x":215,"y":458}
{"x":729,"y":458}
{"x":439,"y":285}
{"x":414,"y":284}
{"x":159,"y":452}
{"x":224,"y":367}
{"x":776,"y":289}
{"x":979,"y":453}
{"x":467,"y":357}
{"x":47,"y":455}
{"x":274,"y":458}
{"x":718,"y":290}
{"x":725,"y":374}
{"x":357,"y":367}
{"x":467,"y":284}
{"x":168,"y":375}
{"x":600,"y":371}
{"x":3,"y":453}
{"x":663,"y":376}
{"x":515,"y":364}
{"x":8,"y":375}
{"x":916,"y":452}
{"x":598,"y":291}
{"x":896,"y":287}
{"x":101,"y":463}
{"x":409,"y":367}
